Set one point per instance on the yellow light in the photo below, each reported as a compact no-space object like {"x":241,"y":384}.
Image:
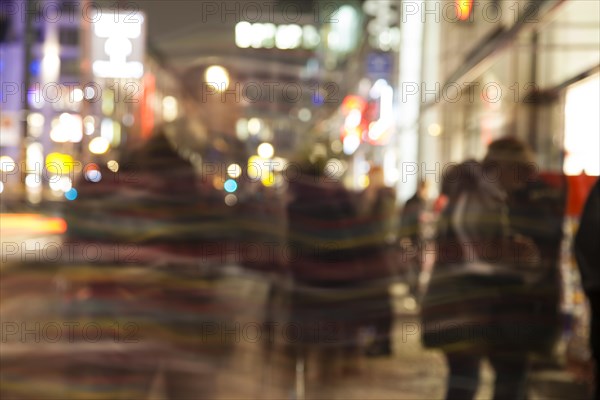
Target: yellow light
{"x":268,"y":179}
{"x":434,"y":129}
{"x":217,"y":77}
{"x":254,"y":167}
{"x":364,"y":181}
{"x":31,"y":223}
{"x":113,"y":165}
{"x":59,"y":163}
{"x":99,"y":145}
{"x":265,"y":150}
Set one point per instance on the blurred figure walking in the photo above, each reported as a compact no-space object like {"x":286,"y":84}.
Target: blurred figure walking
{"x":587,"y":253}
{"x":483,"y":299}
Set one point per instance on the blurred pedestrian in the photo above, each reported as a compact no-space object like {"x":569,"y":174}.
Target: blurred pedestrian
{"x":587,"y":253}
{"x":479,"y":302}
{"x":163,"y":201}
{"x":411,"y":235}
{"x":411,"y":221}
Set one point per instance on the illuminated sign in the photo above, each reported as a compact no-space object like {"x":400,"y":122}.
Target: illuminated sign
{"x":384,"y":33}
{"x":118,"y":45}
{"x":283,"y":37}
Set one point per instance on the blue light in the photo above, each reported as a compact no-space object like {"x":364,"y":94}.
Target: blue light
{"x":230,"y":185}
{"x":34,"y":67}
{"x":317,"y":99}
{"x":71,"y":194}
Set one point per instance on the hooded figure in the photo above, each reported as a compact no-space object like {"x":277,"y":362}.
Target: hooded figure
{"x":489,"y":282}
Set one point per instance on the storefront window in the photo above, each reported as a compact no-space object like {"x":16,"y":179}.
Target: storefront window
{"x":582,"y":128}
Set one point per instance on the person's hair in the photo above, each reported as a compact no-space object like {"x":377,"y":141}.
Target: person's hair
{"x":460,"y":177}
{"x":508,"y":150}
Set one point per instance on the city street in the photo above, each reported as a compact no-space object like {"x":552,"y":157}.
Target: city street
{"x":256,"y":367}
{"x":299,"y":199}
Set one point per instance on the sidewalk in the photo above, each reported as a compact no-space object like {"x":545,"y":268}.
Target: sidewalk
{"x":411,"y":373}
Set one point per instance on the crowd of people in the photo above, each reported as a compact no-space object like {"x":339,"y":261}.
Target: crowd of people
{"x":494,"y":291}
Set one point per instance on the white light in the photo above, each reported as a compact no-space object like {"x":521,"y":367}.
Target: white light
{"x":170,"y":110}
{"x":243,"y":34}
{"x":35,"y":120}
{"x":90,"y":93}
{"x":351,"y":144}
{"x":50,"y":63}
{"x":269,"y":31}
{"x":65,"y":184}
{"x":34,"y":157}
{"x":107,"y":129}
{"x":377,"y":87}
{"x":234,"y":171}
{"x":67,"y":128}
{"x":33,"y":181}
{"x":119,"y":31}
{"x":93,"y":175}
{"x":353,"y":119}
{"x":7,"y":164}
{"x":288,"y":36}
{"x":241,"y":129}
{"x":342,"y":37}
{"x":265,"y":150}
{"x":257,"y":36}
{"x":58,"y":134}
{"x":334,"y":168}
{"x":1,"y":187}
{"x":98,"y":145}
{"x":54,"y":183}
{"x":304,"y":115}
{"x":254,"y":126}
{"x":310,"y":37}
{"x":333,"y":40}
{"x":217,"y":77}
{"x":77,"y":95}
{"x":279,"y":164}
{"x":377,"y":129}
{"x":73,"y":125}
{"x":582,"y":138}
{"x":106,"y":69}
{"x":89,"y":125}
